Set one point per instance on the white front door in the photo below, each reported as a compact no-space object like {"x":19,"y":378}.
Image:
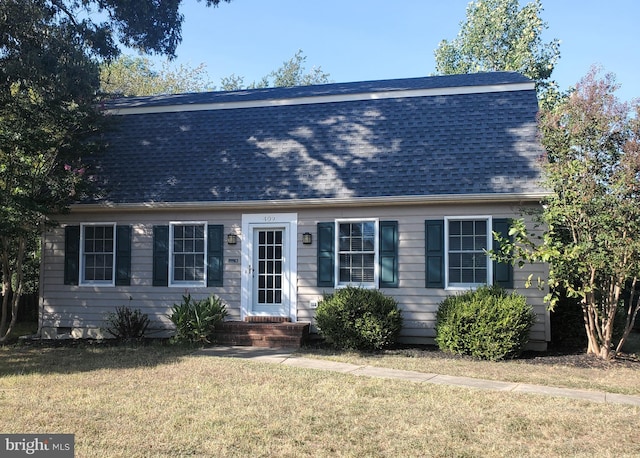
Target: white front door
{"x":269,"y":265}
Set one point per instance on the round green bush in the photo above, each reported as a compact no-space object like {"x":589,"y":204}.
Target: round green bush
{"x":486,"y":323}
{"x":359,"y":319}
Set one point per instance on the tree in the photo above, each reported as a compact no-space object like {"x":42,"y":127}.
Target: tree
{"x":592,"y":217}
{"x":136,"y":76}
{"x":291,"y":73}
{"x":46,"y":114}
{"x":49,"y":78}
{"x":498,"y":35}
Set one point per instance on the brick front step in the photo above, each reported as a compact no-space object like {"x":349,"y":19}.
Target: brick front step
{"x":262,"y":334}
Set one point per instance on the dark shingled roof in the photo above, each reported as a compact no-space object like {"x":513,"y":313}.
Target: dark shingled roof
{"x":483,"y":142}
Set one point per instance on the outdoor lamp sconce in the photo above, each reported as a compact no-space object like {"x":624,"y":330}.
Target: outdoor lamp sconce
{"x":232,"y":239}
{"x":307,"y":238}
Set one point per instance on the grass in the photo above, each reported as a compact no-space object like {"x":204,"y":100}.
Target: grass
{"x":156,"y":401}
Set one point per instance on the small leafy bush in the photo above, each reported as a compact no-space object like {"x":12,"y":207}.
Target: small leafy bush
{"x":196,"y":320}
{"x":487,"y":323}
{"x":359,"y":319}
{"x":127,"y":324}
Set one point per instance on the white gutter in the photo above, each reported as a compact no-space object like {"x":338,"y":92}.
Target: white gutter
{"x":406,"y":93}
{"x":316,"y":203}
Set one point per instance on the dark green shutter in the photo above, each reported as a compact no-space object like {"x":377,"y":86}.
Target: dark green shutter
{"x":389,"y":254}
{"x":71,"y":255}
{"x":326,"y":254}
{"x":215,"y":254}
{"x":123,"y":255}
{"x":160,"y":255}
{"x":502,"y":272}
{"x":434,"y":253}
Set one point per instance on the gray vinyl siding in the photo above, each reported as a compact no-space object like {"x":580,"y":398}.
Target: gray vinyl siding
{"x":83,"y":308}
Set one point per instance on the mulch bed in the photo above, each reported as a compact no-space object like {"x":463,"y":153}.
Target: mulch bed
{"x":576,"y":357}
{"x":579,"y":358}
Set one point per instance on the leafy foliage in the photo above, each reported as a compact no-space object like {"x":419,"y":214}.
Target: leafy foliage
{"x":46,"y":115}
{"x":127,"y":324}
{"x":291,"y":73}
{"x":137,"y":76}
{"x":591,"y":220}
{"x":486,"y":323}
{"x":50,"y":52}
{"x":359,"y":319}
{"x":499,"y":35}
{"x":196,"y":320}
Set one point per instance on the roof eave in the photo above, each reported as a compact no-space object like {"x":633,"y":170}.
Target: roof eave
{"x":520,"y":198}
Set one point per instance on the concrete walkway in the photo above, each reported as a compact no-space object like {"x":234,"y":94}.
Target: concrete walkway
{"x":288,"y":358}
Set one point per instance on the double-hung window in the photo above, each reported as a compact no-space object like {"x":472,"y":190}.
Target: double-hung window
{"x":357,"y":253}
{"x":97,"y":256}
{"x":467,"y":243}
{"x":188,"y":248}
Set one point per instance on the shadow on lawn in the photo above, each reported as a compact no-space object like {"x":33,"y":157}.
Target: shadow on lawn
{"x":72,"y":356}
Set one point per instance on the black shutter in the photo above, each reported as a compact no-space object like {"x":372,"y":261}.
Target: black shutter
{"x":326,"y":254}
{"x":215,"y":254}
{"x":388,"y":245}
{"x":123,"y":255}
{"x":502,"y":272}
{"x":434,"y":253}
{"x":160,"y":255}
{"x":71,"y":255}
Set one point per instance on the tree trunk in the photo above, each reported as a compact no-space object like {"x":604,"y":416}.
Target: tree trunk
{"x":593,"y":345}
{"x":6,"y":286}
{"x":632,"y":312}
{"x":17,"y":293}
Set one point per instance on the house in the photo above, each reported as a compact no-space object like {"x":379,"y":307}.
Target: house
{"x":270,"y":198}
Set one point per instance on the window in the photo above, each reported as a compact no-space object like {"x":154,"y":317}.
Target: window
{"x":97,"y":256}
{"x":357,"y":253}
{"x":467,"y":242}
{"x":188,"y":248}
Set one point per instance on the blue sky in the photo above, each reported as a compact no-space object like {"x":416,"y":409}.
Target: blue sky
{"x":358,"y":40}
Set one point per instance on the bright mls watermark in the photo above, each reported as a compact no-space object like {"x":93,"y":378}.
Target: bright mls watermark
{"x":37,"y":445}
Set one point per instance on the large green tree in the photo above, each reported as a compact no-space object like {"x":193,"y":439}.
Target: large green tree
{"x":500,"y":35}
{"x":291,"y":73}
{"x":49,"y":78}
{"x":591,"y":220}
{"x":137,"y":76}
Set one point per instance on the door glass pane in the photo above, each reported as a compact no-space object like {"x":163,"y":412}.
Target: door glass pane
{"x":269,"y":262}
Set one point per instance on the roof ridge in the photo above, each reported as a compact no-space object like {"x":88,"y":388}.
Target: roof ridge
{"x":325,"y":93}
{"x":387,"y":86}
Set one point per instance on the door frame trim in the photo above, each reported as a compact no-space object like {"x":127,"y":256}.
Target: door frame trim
{"x":256,"y":220}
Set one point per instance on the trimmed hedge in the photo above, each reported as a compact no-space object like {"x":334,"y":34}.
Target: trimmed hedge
{"x":359,"y":319}
{"x":486,"y":323}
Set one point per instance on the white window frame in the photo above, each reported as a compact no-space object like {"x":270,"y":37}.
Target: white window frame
{"x":183,"y":283}
{"x":467,"y":286}
{"x":82,"y":280}
{"x":376,"y":255}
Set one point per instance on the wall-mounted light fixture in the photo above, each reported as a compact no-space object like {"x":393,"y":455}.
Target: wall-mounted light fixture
{"x":307,"y":238}
{"x":232,"y":239}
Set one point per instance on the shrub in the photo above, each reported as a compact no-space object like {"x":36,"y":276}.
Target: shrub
{"x":127,"y":324}
{"x":486,"y":323}
{"x":359,"y":319}
{"x":196,"y":320}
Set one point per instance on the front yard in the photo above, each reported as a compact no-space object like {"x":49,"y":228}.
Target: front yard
{"x":165,"y":401}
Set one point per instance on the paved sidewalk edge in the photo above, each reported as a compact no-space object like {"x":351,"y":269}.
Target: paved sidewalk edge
{"x":287,"y":358}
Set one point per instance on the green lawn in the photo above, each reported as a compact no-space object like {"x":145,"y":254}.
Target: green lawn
{"x":165,"y":401}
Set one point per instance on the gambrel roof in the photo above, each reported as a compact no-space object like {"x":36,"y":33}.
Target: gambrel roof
{"x":444,"y":137}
